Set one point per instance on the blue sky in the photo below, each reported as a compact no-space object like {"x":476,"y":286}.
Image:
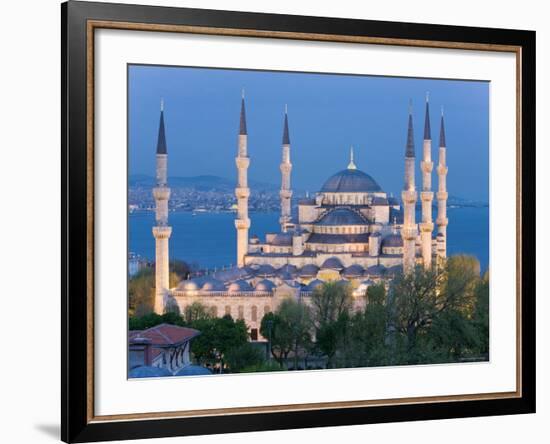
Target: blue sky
{"x":327,"y":113}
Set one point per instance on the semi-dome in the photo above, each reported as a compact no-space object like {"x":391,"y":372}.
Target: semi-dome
{"x":332,"y":263}
{"x":342,"y":216}
{"x":266,"y":270}
{"x":309,"y":270}
{"x":190,"y":285}
{"x":351,"y":181}
{"x":313,"y":285}
{"x":354,"y":270}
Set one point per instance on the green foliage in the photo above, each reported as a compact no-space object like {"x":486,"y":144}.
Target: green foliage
{"x":218,"y":336}
{"x":266,"y":366}
{"x":195,"y":312}
{"x":153,"y":319}
{"x":141,"y":288}
{"x":245,"y":356}
{"x":331,"y":307}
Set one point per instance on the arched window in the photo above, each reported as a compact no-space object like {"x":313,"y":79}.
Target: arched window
{"x":241,"y":312}
{"x":254,"y":313}
{"x":214,"y":311}
{"x":267,"y":309}
{"x":228,"y":310}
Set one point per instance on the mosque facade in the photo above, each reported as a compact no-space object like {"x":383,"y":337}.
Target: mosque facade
{"x":351,"y":232}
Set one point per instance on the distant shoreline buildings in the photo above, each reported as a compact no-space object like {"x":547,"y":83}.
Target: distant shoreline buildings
{"x":350,"y":232}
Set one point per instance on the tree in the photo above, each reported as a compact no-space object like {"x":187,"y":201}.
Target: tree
{"x":245,"y":356}
{"x":141,"y":288}
{"x":296,"y":319}
{"x":275,"y":329}
{"x":218,"y":336}
{"x":195,"y":312}
{"x":430,"y":311}
{"x":331,"y":306}
{"x":368,"y":331}
{"x":153,"y":319}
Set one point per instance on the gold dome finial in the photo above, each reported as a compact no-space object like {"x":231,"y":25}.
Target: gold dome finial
{"x":351,"y":165}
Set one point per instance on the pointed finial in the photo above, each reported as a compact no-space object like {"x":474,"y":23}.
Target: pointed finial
{"x":442,"y":142}
{"x":409,"y":150}
{"x":242,"y":93}
{"x":286,"y":134}
{"x":286,"y":108}
{"x":427,"y":128}
{"x":161,"y":104}
{"x":242,"y":122}
{"x":161,"y":140}
{"x":351,"y":165}
{"x":410,"y":106}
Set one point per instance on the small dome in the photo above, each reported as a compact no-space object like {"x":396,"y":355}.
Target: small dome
{"x":265,"y":285}
{"x":193,"y":370}
{"x":309,"y":270}
{"x":332,"y":263}
{"x":375,"y":270}
{"x":394,"y":270}
{"x":393,"y":240}
{"x":239,"y":286}
{"x":350,"y":181}
{"x":342,"y":216}
{"x":265,"y":270}
{"x":189,"y":285}
{"x":287,"y":269}
{"x":354,"y":271}
{"x":313,"y":285}
{"x":147,"y":371}
{"x":212,"y":284}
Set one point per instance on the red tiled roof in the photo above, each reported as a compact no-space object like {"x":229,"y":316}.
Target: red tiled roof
{"x":165,"y":334}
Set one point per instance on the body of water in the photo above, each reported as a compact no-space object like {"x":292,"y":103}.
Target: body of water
{"x":209,"y":239}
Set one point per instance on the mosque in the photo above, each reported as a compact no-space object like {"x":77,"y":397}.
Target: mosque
{"x":351,"y":232}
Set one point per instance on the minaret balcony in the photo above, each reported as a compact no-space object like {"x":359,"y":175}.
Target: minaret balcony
{"x":242,"y":193}
{"x":442,"y":195}
{"x":286,"y":167}
{"x":442,"y":221}
{"x":161,"y":193}
{"x":426,"y":227}
{"x":162,"y":232}
{"x":442,"y":170}
{"x":426,"y":167}
{"x":242,"y":224}
{"x":409,"y":233}
{"x":285,"y":194}
{"x":242,"y":162}
{"x":426,"y":196}
{"x":408,"y":196}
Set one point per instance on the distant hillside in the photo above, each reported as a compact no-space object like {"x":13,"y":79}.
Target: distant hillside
{"x":198,"y":183}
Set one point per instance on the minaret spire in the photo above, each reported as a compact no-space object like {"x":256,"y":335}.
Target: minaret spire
{"x":351,"y":165}
{"x":161,"y":231}
{"x":426,"y":195}
{"x":242,"y":122}
{"x":242,"y":192}
{"x":442,"y":194}
{"x":286,"y":168}
{"x":409,"y":229}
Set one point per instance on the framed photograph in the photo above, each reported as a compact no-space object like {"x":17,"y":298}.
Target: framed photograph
{"x":276,"y":221}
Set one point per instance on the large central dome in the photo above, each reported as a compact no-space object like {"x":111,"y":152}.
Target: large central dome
{"x":351,"y":181}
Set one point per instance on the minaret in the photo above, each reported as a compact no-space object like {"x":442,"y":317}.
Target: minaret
{"x":442,"y":194}
{"x":409,"y":230}
{"x":286,"y":168}
{"x":161,"y":231}
{"x":242,"y":192}
{"x":426,"y":195}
